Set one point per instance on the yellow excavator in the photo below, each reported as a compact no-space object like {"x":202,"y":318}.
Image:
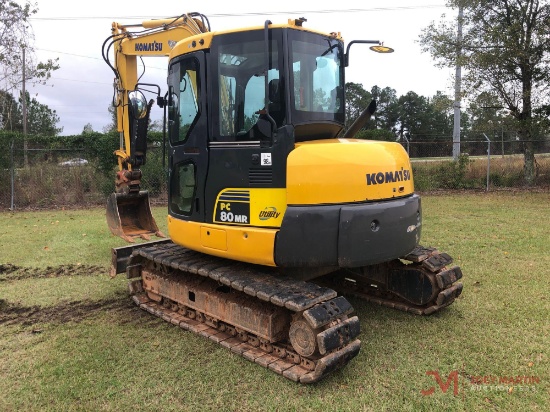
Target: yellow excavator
{"x":275,"y":211}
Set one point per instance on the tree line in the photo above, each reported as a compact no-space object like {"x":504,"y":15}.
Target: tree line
{"x":415,"y":118}
{"x":503,"y":48}
{"x":41,"y":120}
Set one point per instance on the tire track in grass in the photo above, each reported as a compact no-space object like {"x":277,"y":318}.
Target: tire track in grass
{"x":16,"y":314}
{"x":121,"y":308}
{"x":14,"y":272}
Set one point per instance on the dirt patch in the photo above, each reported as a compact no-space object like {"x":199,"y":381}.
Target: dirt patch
{"x":16,"y":314}
{"x":8,"y":268}
{"x":13,"y":272}
{"x":122,"y":310}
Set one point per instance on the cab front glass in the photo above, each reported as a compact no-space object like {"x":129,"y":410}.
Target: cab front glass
{"x":305,"y":84}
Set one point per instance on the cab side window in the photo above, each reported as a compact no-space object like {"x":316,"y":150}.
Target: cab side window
{"x":184,"y":108}
{"x":182,"y":191}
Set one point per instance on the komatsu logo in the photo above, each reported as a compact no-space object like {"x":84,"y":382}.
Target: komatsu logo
{"x":144,"y":47}
{"x":388,"y":177}
{"x":268,"y":213}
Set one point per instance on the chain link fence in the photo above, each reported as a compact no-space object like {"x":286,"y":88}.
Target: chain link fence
{"x":33,"y":174}
{"x":483,"y":164}
{"x":38,"y":177}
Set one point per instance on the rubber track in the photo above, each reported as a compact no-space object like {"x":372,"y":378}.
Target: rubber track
{"x":428,"y":260}
{"x":255,"y":281}
{"x":280,"y":366}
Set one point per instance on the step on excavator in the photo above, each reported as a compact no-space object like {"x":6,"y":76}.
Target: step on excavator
{"x":275,"y":211}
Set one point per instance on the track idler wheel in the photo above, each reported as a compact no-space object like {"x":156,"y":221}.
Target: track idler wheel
{"x":303,"y":338}
{"x":324,"y":328}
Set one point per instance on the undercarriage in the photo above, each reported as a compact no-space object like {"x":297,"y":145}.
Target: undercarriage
{"x":301,"y":330}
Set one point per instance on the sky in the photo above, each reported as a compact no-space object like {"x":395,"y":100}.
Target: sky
{"x":81,"y":90}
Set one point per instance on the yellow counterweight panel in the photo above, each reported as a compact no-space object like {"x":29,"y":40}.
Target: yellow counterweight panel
{"x":247,"y":244}
{"x":347,"y":170}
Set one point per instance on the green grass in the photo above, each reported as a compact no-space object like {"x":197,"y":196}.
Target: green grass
{"x":76,"y":342}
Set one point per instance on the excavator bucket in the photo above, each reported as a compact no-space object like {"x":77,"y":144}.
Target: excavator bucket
{"x":129,"y":216}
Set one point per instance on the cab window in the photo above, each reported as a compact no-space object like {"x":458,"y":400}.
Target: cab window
{"x":183,"y":110}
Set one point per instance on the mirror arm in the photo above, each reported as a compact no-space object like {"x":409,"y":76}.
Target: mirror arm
{"x":346,"y":56}
{"x":149,"y":84}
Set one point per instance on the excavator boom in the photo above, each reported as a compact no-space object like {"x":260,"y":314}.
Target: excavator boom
{"x":128,"y":208}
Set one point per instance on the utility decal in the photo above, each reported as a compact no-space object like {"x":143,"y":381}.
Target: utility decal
{"x":233,"y":207}
{"x":269,"y":213}
{"x":379,"y":178}
{"x":145,"y":47}
{"x":259,"y":207}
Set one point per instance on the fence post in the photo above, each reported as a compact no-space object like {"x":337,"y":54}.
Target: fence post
{"x":407,"y":140}
{"x":488,"y":159}
{"x":12,"y":177}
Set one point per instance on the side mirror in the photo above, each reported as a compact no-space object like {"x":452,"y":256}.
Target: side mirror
{"x":173,"y":107}
{"x":378,"y":48}
{"x":138,"y":104}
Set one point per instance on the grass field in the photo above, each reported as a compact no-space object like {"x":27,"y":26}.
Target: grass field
{"x":72,"y":340}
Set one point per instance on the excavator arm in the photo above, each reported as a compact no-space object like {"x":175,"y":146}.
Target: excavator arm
{"x":128,"y":211}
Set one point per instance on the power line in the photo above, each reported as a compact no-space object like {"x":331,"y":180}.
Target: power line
{"x":78,"y":80}
{"x":68,"y":54}
{"x":326,"y":11}
{"x":95,"y":58}
{"x":71,"y":105}
{"x":86,"y":113}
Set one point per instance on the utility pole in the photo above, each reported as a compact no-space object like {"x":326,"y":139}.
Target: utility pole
{"x":458,"y":82}
{"x":24,"y":98}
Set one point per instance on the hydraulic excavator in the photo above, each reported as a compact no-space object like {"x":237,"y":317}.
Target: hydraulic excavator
{"x":273,"y":207}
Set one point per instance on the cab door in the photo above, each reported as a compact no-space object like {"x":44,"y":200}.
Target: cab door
{"x":188,"y":137}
